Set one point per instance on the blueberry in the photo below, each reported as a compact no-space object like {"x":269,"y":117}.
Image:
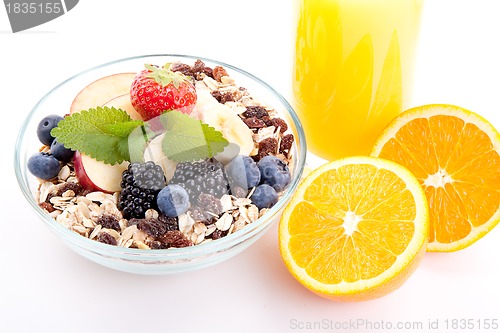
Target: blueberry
{"x":173,"y":200}
{"x":243,"y":172}
{"x":60,"y":152}
{"x":44,"y":128}
{"x":274,"y":172}
{"x":264,"y":196}
{"x":44,"y":166}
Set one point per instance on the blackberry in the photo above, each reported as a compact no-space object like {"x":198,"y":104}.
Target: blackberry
{"x":207,"y":177}
{"x":207,"y":209}
{"x":140,"y":185}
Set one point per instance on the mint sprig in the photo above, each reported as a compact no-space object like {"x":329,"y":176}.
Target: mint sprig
{"x":101,"y":133}
{"x":188,"y":139}
{"x":111,"y":136}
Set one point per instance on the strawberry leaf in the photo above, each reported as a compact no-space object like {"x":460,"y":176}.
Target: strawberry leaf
{"x":164,"y":76}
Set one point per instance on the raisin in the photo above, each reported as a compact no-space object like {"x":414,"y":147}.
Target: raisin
{"x":75,"y":187}
{"x":199,"y":67}
{"x":278,"y":122}
{"x":155,"y":245}
{"x":255,"y":111}
{"x":268,"y":120}
{"x":109,"y":222}
{"x":267,"y":146}
{"x":223,"y":97}
{"x":218,"y":234}
{"x":182,"y":68}
{"x":47,"y":207}
{"x":171,"y":223}
{"x":106,"y":238}
{"x":254,"y":122}
{"x":63,"y":187}
{"x":174,"y":238}
{"x":133,"y":221}
{"x":152,"y":227}
{"x":286,"y":143}
{"x":218,"y":72}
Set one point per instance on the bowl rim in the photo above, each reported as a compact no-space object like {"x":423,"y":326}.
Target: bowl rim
{"x":171,"y":253}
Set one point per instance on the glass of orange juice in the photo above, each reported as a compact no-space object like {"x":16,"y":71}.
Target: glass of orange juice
{"x":352,"y":70}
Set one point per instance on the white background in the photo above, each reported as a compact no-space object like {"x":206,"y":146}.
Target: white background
{"x":47,"y":288}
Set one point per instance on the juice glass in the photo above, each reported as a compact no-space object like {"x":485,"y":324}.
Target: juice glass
{"x":352,"y":70}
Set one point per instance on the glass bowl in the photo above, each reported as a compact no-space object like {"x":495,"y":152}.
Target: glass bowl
{"x":166,"y":261}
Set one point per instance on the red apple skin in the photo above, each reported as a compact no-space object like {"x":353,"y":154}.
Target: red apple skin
{"x":101,"y":91}
{"x":94,"y":175}
{"x":82,"y":176}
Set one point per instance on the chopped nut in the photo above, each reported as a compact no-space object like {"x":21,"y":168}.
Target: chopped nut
{"x":227,"y":80}
{"x":264,"y":133}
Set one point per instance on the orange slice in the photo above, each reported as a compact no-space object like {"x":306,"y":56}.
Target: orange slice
{"x":355,"y":229}
{"x":454,"y":153}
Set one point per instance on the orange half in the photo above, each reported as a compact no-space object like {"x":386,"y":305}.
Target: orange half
{"x":454,"y":153}
{"x":355,"y":229}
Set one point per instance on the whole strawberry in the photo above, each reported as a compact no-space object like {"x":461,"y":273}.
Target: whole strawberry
{"x":158,"y":89}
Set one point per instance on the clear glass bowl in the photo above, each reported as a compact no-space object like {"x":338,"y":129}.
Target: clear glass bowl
{"x":167,"y":261}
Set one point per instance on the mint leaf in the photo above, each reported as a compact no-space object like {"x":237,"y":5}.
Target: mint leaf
{"x":188,"y":139}
{"x":137,"y":141}
{"x":123,"y":129}
{"x":101,"y":133}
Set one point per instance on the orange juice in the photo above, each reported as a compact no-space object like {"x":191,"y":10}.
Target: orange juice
{"x":352,"y":70}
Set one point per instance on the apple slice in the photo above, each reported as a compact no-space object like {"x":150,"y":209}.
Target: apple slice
{"x":94,"y":175}
{"x":102,"y":90}
{"x":123,"y":102}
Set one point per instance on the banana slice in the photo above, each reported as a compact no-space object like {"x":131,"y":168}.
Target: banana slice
{"x":154,"y":153}
{"x":223,"y":119}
